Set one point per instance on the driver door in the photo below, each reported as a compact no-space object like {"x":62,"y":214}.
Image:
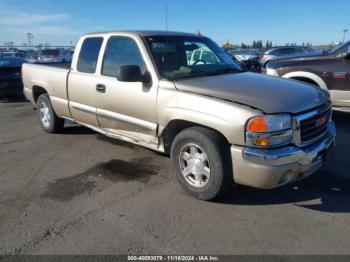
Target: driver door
{"x":126,"y":108}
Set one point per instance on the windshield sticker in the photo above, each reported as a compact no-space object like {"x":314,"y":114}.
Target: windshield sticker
{"x":163,"y":47}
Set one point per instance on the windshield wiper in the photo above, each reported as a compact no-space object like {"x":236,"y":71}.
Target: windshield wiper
{"x":227,"y":70}
{"x":186,"y":75}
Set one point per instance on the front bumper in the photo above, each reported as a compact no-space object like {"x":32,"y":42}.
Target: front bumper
{"x":11,"y":88}
{"x":270,"y":168}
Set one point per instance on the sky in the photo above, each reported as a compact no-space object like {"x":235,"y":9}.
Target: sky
{"x":60,"y":22}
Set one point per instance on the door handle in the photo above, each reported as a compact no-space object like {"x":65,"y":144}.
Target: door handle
{"x":101,"y":88}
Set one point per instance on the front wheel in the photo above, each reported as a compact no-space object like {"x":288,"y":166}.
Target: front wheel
{"x":49,"y":121}
{"x":201,"y":162}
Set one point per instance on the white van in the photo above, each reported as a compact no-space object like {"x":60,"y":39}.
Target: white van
{"x":54,"y":55}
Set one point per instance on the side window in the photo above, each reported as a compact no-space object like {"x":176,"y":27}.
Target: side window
{"x":285,"y":51}
{"x":292,"y":51}
{"x":275,"y":52}
{"x":88,"y":55}
{"x":121,"y":50}
{"x":299,"y":50}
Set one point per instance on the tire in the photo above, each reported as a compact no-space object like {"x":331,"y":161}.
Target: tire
{"x":49,"y":121}
{"x":201,"y":163}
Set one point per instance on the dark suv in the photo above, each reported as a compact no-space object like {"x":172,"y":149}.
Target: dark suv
{"x":284,"y":51}
{"x":329,"y":70}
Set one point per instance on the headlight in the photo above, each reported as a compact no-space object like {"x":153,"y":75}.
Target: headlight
{"x":269,"y":130}
{"x":271,"y":72}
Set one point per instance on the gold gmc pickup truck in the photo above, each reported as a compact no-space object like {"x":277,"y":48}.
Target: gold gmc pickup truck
{"x":182,"y":95}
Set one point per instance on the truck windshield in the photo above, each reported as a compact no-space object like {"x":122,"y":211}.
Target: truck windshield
{"x":179,"y":57}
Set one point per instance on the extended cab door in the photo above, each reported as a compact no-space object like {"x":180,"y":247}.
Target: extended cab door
{"x":127,"y":108}
{"x":340,"y":79}
{"x":82,"y":81}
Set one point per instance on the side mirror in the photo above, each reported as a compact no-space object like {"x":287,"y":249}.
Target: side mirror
{"x":130,"y":73}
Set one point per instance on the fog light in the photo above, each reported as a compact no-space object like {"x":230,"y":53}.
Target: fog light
{"x":261,"y":141}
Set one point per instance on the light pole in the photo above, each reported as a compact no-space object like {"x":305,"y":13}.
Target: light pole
{"x":30,"y":38}
{"x":344,"y":31}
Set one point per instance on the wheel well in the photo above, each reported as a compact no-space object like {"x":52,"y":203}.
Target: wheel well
{"x":265,"y":64}
{"x":175,"y":127}
{"x":38,"y":91}
{"x":305,"y":80}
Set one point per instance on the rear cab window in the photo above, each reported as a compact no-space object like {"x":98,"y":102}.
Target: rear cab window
{"x":88,"y":56}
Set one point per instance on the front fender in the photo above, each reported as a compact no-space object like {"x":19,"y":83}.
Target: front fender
{"x":199,"y":118}
{"x":226,"y":117}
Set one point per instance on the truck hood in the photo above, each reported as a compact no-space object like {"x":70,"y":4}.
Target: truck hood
{"x":269,"y":94}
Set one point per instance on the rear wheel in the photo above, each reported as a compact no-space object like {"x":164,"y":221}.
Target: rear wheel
{"x":49,"y":121}
{"x":201,"y":162}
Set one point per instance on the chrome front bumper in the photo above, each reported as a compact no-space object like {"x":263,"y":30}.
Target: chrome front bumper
{"x":270,"y":168}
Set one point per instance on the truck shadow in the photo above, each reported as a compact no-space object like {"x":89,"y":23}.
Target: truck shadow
{"x":323,"y":192}
{"x":328,"y":190}
{"x":78,"y":130}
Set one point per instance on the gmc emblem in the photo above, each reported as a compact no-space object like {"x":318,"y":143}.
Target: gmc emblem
{"x":321,"y":121}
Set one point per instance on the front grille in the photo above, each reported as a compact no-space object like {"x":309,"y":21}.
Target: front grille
{"x":314,"y":125}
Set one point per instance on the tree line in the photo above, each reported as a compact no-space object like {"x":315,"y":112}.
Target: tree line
{"x":258,"y":44}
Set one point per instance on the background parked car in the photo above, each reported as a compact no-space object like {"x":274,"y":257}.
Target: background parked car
{"x":55,"y":55}
{"x":241,"y":54}
{"x":248,"y":59}
{"x":10,"y":76}
{"x":19,"y":54}
{"x":284,"y":51}
{"x":32,"y":56}
{"x":328,"y":70}
{"x":14,"y":54}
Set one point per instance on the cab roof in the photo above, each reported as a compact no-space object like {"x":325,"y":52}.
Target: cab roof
{"x":145,"y":33}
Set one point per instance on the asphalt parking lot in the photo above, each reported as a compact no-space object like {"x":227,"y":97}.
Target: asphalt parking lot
{"x":81,"y":193}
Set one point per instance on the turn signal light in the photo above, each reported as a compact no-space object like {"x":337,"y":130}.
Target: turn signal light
{"x":257,"y":124}
{"x":261,"y":141}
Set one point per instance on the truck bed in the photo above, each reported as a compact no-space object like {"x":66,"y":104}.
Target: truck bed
{"x":51,"y":77}
{"x":65,"y":65}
